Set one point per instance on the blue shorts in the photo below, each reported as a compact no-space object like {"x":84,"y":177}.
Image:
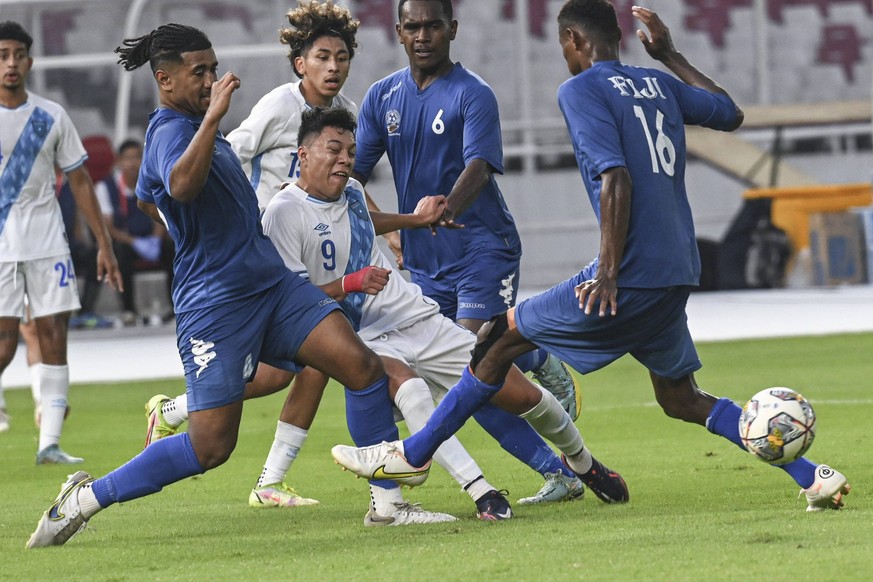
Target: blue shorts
{"x":220,"y":346}
{"x":486,"y":286}
{"x":650,"y":325}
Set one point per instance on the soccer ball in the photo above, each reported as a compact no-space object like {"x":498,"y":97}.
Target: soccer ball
{"x":777,"y":425}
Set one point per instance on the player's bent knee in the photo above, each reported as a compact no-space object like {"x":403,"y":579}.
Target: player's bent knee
{"x":488,"y":335}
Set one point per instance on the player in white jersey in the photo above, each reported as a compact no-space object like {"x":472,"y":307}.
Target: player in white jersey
{"x":266,"y":141}
{"x":322,"y":229}
{"x":36,"y":136}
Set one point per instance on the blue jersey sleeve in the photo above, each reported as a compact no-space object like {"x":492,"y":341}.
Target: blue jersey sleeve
{"x":591,"y":122}
{"x":166,"y":144}
{"x":482,"y":137}
{"x":368,"y":139}
{"x":700,"y":107}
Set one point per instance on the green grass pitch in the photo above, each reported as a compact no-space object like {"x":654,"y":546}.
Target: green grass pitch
{"x":700,"y":508}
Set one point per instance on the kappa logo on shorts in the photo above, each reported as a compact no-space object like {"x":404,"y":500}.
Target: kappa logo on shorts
{"x":202,"y":354}
{"x":506,"y":292}
{"x":248,"y":367}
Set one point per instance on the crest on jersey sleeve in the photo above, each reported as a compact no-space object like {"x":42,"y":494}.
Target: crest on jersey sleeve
{"x":392,"y":122}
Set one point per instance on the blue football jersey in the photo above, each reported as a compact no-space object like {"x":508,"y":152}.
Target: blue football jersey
{"x":619,"y":115}
{"x":430,"y":136}
{"x":222,"y":253}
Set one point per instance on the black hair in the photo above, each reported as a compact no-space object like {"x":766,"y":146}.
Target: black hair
{"x":595,"y":17}
{"x":447,"y":9}
{"x":312,"y":20}
{"x":128,"y":144}
{"x":315,"y":120}
{"x":11,"y":30}
{"x":165,"y":43}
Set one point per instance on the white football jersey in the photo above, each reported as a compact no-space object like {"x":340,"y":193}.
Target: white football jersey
{"x":34,"y":138}
{"x":266,"y":141}
{"x":315,"y":240}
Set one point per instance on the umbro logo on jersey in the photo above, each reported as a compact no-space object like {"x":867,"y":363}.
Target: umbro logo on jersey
{"x":202,"y":354}
{"x":322,"y":229}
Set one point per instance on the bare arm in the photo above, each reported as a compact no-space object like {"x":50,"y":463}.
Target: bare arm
{"x":369,"y":280}
{"x":615,"y":203}
{"x":466,"y":189}
{"x":428,"y":211}
{"x":191,"y":170}
{"x":83,"y":191}
{"x":150,"y":210}
{"x":660,"y":47}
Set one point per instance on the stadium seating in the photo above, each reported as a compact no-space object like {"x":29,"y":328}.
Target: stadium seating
{"x":840,"y":45}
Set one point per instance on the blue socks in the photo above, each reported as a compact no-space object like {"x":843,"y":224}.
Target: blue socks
{"x":724,"y":420}
{"x":464,"y":399}
{"x":370,"y":418}
{"x":161,"y":463}
{"x":532,"y":360}
{"x":520,"y":440}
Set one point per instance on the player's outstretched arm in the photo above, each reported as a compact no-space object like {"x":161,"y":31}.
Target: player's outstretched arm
{"x":428,"y":211}
{"x":189,"y":174}
{"x":659,"y":45}
{"x":83,"y":191}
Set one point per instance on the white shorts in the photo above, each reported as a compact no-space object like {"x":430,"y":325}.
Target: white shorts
{"x":437,"y":349}
{"x":49,"y":284}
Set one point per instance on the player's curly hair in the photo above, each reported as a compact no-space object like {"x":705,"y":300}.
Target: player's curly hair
{"x":596,"y":17}
{"x":165,"y":43}
{"x":310,"y":21}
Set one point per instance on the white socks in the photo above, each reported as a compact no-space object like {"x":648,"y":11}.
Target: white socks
{"x":176,"y":410}
{"x":35,"y":373}
{"x":88,"y":502}
{"x":382,"y":500}
{"x":550,"y":420}
{"x":54,"y":385}
{"x":415,"y":401}
{"x":286,"y":444}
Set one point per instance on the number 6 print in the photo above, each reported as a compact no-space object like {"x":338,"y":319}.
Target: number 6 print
{"x":438,"y":126}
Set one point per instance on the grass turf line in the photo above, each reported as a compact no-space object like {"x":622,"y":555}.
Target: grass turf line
{"x":700,"y":508}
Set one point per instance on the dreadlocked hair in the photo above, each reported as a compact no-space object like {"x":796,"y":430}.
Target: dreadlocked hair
{"x":165,"y":43}
{"x":310,"y":21}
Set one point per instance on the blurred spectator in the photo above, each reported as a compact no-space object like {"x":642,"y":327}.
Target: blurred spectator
{"x":140,"y":243}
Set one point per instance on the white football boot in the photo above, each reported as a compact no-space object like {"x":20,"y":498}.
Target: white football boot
{"x":827,"y":491}
{"x":64,"y":518}
{"x":406,"y":514}
{"x":382,"y":461}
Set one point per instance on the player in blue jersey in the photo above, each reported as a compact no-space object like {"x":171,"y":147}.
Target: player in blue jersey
{"x":627,"y":128}
{"x":440,"y":127}
{"x":438,"y":123}
{"x":236,"y":303}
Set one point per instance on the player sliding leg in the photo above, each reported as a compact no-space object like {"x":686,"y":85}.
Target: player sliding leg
{"x":490,"y":375}
{"x":823,"y":486}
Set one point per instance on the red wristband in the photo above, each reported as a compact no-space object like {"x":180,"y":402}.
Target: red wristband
{"x":353,"y":282}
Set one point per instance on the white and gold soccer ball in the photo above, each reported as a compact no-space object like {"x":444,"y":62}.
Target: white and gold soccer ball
{"x":777,"y":425}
